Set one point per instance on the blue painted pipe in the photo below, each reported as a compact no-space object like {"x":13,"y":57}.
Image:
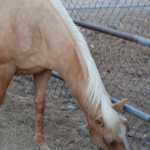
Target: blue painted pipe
{"x":116,"y":33}
{"x":56,"y":75}
{"x":143,"y":41}
{"x":127,"y":107}
{"x":133,"y":110}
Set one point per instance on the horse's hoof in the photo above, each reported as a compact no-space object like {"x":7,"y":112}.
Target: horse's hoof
{"x":44,"y":147}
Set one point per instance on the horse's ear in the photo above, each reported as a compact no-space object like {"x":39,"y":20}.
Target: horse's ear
{"x":120,"y":104}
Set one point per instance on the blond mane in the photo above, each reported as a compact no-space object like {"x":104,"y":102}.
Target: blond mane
{"x":95,"y":93}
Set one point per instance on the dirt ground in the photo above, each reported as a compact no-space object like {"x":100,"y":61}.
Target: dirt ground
{"x":64,"y":129}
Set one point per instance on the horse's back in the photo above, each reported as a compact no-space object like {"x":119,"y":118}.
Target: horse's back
{"x":19,"y":20}
{"x":18,"y":26}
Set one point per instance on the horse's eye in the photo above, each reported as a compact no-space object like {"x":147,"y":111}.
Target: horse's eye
{"x":99,"y":122}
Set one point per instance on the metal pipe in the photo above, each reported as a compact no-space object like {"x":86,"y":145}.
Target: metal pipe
{"x":127,"y":107}
{"x":56,"y":75}
{"x":116,"y":33}
{"x":133,"y":110}
{"x":105,"y":7}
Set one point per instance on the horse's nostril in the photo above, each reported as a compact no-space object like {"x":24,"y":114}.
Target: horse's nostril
{"x":111,"y":142}
{"x":100,"y":149}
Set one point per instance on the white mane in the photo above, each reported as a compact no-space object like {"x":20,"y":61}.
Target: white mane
{"x":95,"y":93}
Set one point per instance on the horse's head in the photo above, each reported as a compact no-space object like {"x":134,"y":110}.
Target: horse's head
{"x":104,"y":138}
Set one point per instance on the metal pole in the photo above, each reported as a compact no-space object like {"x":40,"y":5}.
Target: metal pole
{"x":106,"y":7}
{"x":133,"y":110}
{"x":116,"y":33}
{"x":115,"y":12}
{"x":127,"y":107}
{"x":56,"y":75}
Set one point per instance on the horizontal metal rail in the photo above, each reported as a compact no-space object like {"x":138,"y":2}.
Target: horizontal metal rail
{"x":127,"y":107}
{"x":56,"y":75}
{"x":116,"y":33}
{"x":133,"y":110}
{"x":105,"y":7}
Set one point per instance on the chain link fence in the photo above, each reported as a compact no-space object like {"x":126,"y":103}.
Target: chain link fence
{"x":124,"y":66}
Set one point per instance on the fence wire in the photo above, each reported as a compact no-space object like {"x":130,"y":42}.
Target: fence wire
{"x":124,"y":66}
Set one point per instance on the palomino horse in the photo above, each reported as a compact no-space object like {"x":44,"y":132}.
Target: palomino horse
{"x":37,"y":36}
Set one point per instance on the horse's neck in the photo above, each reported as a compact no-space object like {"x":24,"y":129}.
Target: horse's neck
{"x":74,"y":72}
{"x":67,"y":51}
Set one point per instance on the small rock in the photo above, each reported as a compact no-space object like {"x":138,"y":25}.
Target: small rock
{"x":71,"y":107}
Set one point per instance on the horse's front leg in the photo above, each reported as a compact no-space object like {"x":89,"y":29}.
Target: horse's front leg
{"x":6,"y":73}
{"x":40,"y":83}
